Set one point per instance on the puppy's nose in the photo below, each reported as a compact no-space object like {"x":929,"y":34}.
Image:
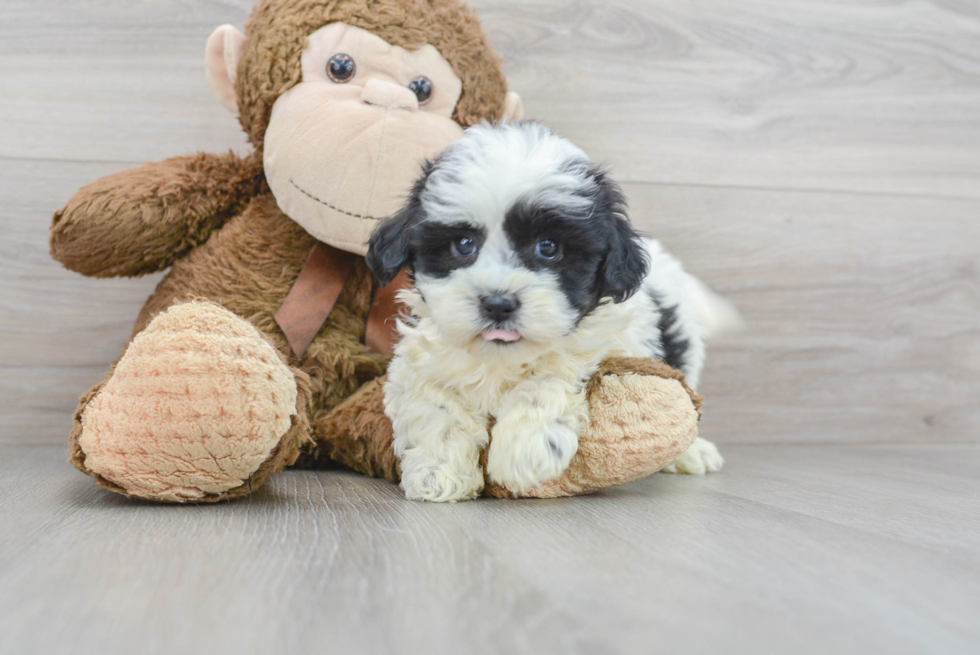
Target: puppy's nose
{"x":499,"y":308}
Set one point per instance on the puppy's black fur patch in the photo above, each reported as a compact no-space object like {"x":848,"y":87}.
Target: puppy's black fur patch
{"x":626,"y":262}
{"x":430,"y":247}
{"x":389,"y":249}
{"x":407,"y":239}
{"x":601,"y":255}
{"x":674,"y":344}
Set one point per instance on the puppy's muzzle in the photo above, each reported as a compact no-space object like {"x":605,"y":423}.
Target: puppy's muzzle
{"x":498,"y":308}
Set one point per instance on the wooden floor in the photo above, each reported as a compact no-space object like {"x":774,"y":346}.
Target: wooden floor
{"x":793,"y":549}
{"x":816,"y":161}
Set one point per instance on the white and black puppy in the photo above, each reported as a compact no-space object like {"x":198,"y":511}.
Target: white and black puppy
{"x":527,"y":275}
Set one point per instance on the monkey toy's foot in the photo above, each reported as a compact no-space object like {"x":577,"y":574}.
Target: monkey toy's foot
{"x":642,"y":417}
{"x":200,"y":408}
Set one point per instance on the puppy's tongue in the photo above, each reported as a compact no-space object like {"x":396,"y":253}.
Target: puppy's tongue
{"x":500,"y":335}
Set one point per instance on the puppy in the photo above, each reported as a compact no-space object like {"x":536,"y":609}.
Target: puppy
{"x":527,"y":275}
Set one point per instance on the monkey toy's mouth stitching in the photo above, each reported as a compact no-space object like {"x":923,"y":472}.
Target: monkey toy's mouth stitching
{"x":333,"y":207}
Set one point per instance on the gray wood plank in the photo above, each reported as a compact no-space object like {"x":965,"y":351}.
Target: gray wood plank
{"x":99,"y":80}
{"x":937,"y":490}
{"x":790,"y":549}
{"x":869,"y":95}
{"x":862,"y":311}
{"x":59,"y":331}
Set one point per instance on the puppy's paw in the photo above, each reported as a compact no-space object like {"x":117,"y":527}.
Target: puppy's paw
{"x":426,"y":478}
{"x":531,"y":454}
{"x":701,"y":457}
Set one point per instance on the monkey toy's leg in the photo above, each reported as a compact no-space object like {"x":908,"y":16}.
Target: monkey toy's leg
{"x":642,"y":417}
{"x":200,"y":408}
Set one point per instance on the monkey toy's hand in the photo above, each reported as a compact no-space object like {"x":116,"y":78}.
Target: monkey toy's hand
{"x":642,"y":416}
{"x":144,"y":219}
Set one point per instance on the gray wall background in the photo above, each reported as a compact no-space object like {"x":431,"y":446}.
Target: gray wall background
{"x":816,"y":162}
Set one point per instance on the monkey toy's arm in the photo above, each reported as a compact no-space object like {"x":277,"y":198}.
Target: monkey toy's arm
{"x":142,"y":220}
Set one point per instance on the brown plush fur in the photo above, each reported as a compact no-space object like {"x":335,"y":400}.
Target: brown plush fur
{"x":248,"y":267}
{"x":284,"y":454}
{"x":643,"y":366}
{"x":357,"y":434}
{"x":200,"y":401}
{"x":143,"y":220}
{"x":277,"y":32}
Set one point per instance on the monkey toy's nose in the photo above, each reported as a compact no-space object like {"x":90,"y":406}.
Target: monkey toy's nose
{"x":498,"y":308}
{"x":389,"y":96}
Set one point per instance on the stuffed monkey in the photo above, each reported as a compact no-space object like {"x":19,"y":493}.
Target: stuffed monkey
{"x":265,"y":344}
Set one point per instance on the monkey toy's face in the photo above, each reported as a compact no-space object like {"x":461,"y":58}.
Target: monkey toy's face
{"x":344,"y":145}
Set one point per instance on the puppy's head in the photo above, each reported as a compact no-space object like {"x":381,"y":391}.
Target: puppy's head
{"x":513,"y":236}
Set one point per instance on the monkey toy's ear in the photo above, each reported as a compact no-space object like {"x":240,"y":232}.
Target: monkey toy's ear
{"x":221,"y":57}
{"x":513,"y":108}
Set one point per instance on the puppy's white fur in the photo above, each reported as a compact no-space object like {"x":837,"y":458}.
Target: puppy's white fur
{"x":446,"y":379}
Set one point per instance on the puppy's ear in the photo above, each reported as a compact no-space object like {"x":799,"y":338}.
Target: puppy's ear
{"x":389,"y":249}
{"x":626,"y":262}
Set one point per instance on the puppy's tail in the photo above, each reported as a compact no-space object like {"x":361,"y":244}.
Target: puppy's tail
{"x":716,"y":315}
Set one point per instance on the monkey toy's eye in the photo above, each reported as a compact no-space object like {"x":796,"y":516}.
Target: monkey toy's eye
{"x":464,"y":247}
{"x":341,"y":68}
{"x":547,"y":250}
{"x":421,"y":86}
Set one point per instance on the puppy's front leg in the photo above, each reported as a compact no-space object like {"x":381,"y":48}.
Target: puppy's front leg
{"x":438,"y":443}
{"x":536,"y":433}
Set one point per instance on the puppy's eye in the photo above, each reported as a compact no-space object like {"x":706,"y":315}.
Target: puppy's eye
{"x":421,"y":86}
{"x":547,"y":250}
{"x":341,"y":68}
{"x":464,"y":247}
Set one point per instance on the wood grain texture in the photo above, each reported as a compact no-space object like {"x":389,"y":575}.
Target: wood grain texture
{"x":790,"y":549}
{"x":817,"y":162}
{"x":863,"y":311}
{"x":59,"y":331}
{"x":876,"y":95}
{"x":867,"y":95}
